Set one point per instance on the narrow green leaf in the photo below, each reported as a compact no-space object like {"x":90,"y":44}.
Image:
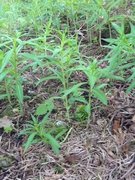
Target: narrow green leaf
{"x":45,"y":107}
{"x":88,"y":108}
{"x":29,"y":141}
{"x":34,"y":119}
{"x":46,"y":79}
{"x":3,"y":75}
{"x":61,"y":133}
{"x":3,"y":96}
{"x":101,"y":86}
{"x":19,"y":92}
{"x":100,"y":95}
{"x":53,"y":142}
{"x":92,"y":80}
{"x":73,"y":99}
{"x":72,"y":89}
{"x":30,"y":56}
{"x":6,"y":60}
{"x":119,"y":29}
{"x":131,"y":87}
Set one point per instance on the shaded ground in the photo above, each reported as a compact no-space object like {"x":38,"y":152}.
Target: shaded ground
{"x":104,"y":150}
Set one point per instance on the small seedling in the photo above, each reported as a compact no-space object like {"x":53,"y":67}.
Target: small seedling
{"x":81,"y":114}
{"x":43,"y":130}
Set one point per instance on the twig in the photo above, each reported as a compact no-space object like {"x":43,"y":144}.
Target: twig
{"x":67,"y":135}
{"x":127,"y":173}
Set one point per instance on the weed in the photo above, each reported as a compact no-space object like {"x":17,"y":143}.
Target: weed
{"x":93,"y":74}
{"x":40,"y":36}
{"x":9,"y":72}
{"x":64,"y":59}
{"x":43,"y":131}
{"x":121,"y":55}
{"x":81,"y":113}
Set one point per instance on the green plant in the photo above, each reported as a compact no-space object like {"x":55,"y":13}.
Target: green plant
{"x":14,"y":61}
{"x":81,"y":113}
{"x":12,"y":16}
{"x":43,"y":131}
{"x":94,"y":75}
{"x":8,"y":129}
{"x":98,"y":16}
{"x":121,"y":55}
{"x":131,"y":81}
{"x":10,"y":75}
{"x":61,"y":66}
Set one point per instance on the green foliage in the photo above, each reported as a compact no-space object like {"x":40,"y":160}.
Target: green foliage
{"x":44,"y":108}
{"x":131,"y":81}
{"x":121,"y":55}
{"x":94,"y":74}
{"x":81,"y":113}
{"x":10,"y":75}
{"x":45,"y":37}
{"x":43,"y":131}
{"x":61,"y":65}
{"x":8,"y":129}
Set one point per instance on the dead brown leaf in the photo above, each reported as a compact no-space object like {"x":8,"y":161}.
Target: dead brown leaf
{"x":116,"y":126}
{"x":125,"y":148}
{"x":72,"y":158}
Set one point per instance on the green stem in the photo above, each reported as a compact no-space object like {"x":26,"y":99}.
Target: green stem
{"x":65,"y":86}
{"x":15,"y":59}
{"x":16,"y":74}
{"x":110,"y":31}
{"x":8,"y":92}
{"x":89,"y":111}
{"x":67,"y":109}
{"x":89,"y":114}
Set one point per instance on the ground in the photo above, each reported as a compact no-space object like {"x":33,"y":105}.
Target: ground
{"x":102,"y":150}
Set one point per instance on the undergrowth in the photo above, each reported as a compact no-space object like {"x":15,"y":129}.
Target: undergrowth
{"x":47,"y":36}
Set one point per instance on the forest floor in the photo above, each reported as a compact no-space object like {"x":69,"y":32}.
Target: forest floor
{"x":104,"y":150}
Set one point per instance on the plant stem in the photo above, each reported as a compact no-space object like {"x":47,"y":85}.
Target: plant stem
{"x":89,"y":106}
{"x":89,"y":112}
{"x":67,"y":109}
{"x":65,"y":85}
{"x":16,"y":74}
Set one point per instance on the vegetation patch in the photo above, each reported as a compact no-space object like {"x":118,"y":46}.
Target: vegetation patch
{"x":67,"y":85}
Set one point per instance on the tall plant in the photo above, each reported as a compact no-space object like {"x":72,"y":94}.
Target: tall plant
{"x":10,"y":75}
{"x":63,"y":59}
{"x":121,"y":55}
